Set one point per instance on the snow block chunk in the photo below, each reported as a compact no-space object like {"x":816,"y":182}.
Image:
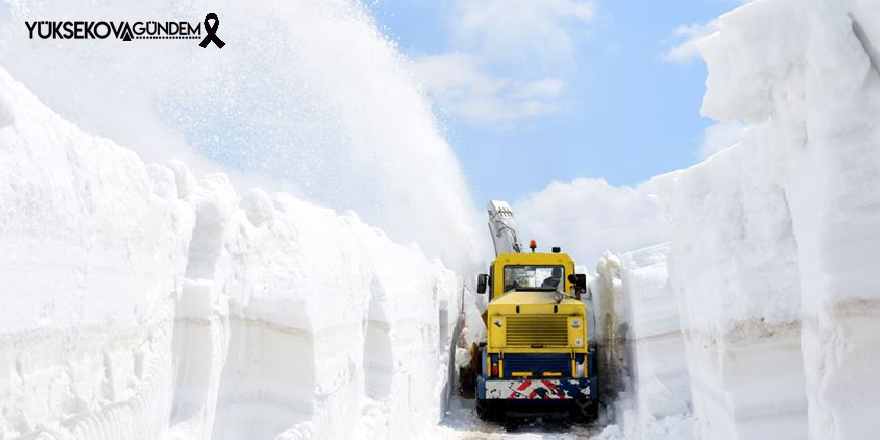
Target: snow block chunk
{"x":258,"y":207}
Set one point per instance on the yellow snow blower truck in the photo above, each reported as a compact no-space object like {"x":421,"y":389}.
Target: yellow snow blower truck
{"x":536,"y":360}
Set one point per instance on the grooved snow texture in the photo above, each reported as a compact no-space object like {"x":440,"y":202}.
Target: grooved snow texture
{"x":776,"y":241}
{"x":141,"y":303}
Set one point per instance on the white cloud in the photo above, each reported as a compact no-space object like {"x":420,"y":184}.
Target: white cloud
{"x":548,"y":87}
{"x":461,"y":86}
{"x":588,"y":216}
{"x":522,"y":29}
{"x":687,"y":50}
{"x":720,"y":136}
{"x":496,"y":71}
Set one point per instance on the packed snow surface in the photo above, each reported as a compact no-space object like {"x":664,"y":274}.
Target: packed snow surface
{"x":141,"y":302}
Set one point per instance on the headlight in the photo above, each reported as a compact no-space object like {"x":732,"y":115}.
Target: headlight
{"x":575,"y":323}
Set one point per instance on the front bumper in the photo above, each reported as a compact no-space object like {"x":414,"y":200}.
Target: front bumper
{"x":534,"y":388}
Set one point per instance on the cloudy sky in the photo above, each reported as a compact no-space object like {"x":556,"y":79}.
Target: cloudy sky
{"x":565,"y":107}
{"x":559,"y":89}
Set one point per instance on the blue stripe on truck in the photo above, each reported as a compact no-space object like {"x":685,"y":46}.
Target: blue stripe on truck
{"x":537,"y":363}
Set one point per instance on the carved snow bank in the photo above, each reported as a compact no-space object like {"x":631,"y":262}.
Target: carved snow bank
{"x":141,"y":303}
{"x":774,"y":240}
{"x":642,"y":357}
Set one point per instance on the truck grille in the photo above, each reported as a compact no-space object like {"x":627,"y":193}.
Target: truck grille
{"x":543,"y":330}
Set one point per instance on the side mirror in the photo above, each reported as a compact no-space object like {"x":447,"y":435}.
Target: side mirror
{"x":579,"y":281}
{"x":482,"y":282}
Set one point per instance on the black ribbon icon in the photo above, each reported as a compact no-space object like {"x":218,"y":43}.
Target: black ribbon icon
{"x":212,"y":32}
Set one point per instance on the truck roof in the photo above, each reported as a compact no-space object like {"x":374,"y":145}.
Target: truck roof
{"x":534,"y":258}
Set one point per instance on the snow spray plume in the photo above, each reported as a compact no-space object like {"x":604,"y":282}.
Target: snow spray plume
{"x":304,"y":96}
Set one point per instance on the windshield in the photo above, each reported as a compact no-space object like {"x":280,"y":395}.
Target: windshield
{"x":534,"y":277}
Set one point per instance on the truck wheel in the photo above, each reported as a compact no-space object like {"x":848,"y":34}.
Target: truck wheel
{"x":593,"y":411}
{"x":482,"y":409}
{"x":467,"y":375}
{"x":585,"y":411}
{"x":488,"y":410}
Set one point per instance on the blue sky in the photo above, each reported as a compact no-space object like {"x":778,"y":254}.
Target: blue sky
{"x":533,"y":91}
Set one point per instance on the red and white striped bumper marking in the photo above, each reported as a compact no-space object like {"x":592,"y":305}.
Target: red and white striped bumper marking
{"x":525,"y":389}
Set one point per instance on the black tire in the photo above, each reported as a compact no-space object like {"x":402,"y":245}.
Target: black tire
{"x":592,"y":364}
{"x":593,"y":411}
{"x":482,"y":408}
{"x":585,"y":411}
{"x":467,"y":375}
{"x":466,"y":383}
{"x":489,"y":410}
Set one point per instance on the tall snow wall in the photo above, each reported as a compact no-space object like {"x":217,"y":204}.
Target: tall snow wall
{"x":139,"y":302}
{"x":643,"y":368}
{"x":775,"y":241}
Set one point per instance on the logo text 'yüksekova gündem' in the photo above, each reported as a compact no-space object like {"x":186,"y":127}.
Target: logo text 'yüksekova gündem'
{"x":125,"y":31}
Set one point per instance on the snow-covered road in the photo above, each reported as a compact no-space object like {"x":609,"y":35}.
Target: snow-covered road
{"x":461,"y":422}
